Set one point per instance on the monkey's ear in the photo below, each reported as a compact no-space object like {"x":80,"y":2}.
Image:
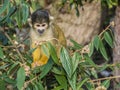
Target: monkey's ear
{"x":51,"y":17}
{"x":30,"y":22}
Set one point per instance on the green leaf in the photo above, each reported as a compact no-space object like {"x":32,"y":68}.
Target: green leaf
{"x":75,"y":61}
{"x":91,"y":49}
{"x":58,"y":71}
{"x":13,"y":67}
{"x":103,"y":51}
{"x":96,"y":42}
{"x":53,"y":53}
{"x":104,"y":66}
{"x":89,"y":86}
{"x":72,"y":81}
{"x":106,"y":83}
{"x":35,"y":87}
{"x":1,"y":53}
{"x":77,"y":10}
{"x":81,"y":83}
{"x":20,"y":78}
{"x":45,"y":50}
{"x":5,"y":5}
{"x":9,"y":80}
{"x":62,"y":81}
{"x":89,"y":61}
{"x":75,"y":44}
{"x":108,"y":39}
{"x":19,"y":17}
{"x":25,"y":13}
{"x":58,"y":88}
{"x":117,"y":65}
{"x":6,"y":18}
{"x":66,"y":61}
{"x":46,"y":68}
{"x":40,"y":86}
{"x":94,"y":73}
{"x":2,"y":85}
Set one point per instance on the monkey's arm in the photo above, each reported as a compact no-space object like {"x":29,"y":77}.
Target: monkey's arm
{"x":58,"y":33}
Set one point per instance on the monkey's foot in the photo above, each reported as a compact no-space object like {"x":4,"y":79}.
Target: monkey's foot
{"x":38,"y":63}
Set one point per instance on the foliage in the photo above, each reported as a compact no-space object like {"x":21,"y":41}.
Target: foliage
{"x":110,"y":3}
{"x":75,"y":69}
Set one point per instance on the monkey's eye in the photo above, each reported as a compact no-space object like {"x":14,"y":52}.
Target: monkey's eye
{"x":36,"y":25}
{"x":44,"y":24}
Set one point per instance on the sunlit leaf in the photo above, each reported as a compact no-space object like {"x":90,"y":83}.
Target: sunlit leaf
{"x":108,"y":39}
{"x":96,"y":42}
{"x":62,"y":81}
{"x":25,"y":13}
{"x":58,"y":71}
{"x":75,"y":44}
{"x":106,"y":83}
{"x":81,"y":83}
{"x":58,"y":88}
{"x":53,"y":53}
{"x":45,"y":50}
{"x":75,"y":60}
{"x":94,"y":73}
{"x":91,"y":48}
{"x":5,"y":5}
{"x":72,"y":81}
{"x":66,"y":61}
{"x":89,"y":61}
{"x":20,"y":78}
{"x":103,"y":51}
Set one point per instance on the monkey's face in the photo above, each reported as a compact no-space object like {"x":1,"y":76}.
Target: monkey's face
{"x":40,"y":21}
{"x":40,"y":27}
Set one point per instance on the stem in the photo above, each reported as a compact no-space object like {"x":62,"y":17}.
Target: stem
{"x":100,"y":79}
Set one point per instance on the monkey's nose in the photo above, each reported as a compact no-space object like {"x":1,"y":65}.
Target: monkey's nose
{"x":40,"y":31}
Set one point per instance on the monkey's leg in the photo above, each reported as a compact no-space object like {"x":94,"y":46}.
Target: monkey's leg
{"x":43,"y":60}
{"x":36,"y":56}
{"x":39,"y":58}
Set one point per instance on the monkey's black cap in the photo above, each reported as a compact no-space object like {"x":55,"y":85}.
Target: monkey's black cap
{"x":40,"y":16}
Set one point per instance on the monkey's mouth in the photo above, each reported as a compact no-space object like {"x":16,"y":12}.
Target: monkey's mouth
{"x":41,"y":31}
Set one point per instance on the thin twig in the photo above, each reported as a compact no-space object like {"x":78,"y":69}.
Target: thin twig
{"x":7,"y":46}
{"x":14,"y":46}
{"x":100,"y":79}
{"x":105,"y":30}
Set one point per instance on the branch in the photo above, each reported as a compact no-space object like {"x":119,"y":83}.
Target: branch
{"x":100,"y":79}
{"x":14,"y":46}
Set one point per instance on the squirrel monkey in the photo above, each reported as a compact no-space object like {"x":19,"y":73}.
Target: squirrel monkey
{"x":42,"y":29}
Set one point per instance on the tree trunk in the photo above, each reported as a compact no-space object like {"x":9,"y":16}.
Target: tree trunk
{"x":116,"y":50}
{"x":83,"y":28}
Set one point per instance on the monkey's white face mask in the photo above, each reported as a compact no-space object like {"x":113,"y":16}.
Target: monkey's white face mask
{"x":40,"y":28}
